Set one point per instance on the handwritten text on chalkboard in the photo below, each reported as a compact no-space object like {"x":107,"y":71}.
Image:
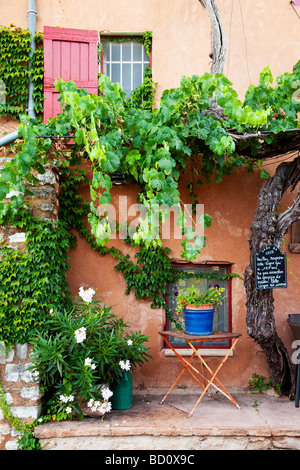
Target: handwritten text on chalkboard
{"x":270,"y":269}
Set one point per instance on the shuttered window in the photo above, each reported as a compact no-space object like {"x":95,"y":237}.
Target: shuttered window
{"x":70,"y":54}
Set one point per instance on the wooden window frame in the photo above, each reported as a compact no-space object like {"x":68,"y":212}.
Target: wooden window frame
{"x":294,"y":246}
{"x":213,"y":347}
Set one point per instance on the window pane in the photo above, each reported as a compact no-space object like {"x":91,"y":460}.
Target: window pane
{"x":115,"y":73}
{"x":221,"y":315}
{"x":126,"y":51}
{"x":146,"y":58}
{"x":131,"y":56}
{"x":126,"y":78}
{"x":137,"y":51}
{"x":106,"y":51}
{"x":115,"y":51}
{"x":137,"y":75}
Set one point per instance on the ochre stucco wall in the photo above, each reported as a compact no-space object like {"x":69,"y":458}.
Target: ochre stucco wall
{"x":258,"y":34}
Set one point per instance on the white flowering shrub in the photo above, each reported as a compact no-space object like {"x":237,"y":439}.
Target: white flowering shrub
{"x":80,"y":350}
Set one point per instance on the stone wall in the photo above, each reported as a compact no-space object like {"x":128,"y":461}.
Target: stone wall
{"x":22,"y":392}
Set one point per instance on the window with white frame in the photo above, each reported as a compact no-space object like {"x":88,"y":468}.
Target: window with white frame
{"x":192,"y":275}
{"x":125,"y":62}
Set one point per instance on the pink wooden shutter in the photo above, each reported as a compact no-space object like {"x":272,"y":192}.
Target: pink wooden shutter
{"x":70,"y":54}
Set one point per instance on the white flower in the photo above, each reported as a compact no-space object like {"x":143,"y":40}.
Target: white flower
{"x":102,"y":408}
{"x":129,"y":342}
{"x":86,"y":295}
{"x":106,"y":393}
{"x":88,"y":363}
{"x":125,"y":365}
{"x":66,"y":398}
{"x":105,"y":407}
{"x":69,"y":409}
{"x":80,"y":335}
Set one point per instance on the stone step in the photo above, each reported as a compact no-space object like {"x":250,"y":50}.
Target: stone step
{"x":263,"y":422}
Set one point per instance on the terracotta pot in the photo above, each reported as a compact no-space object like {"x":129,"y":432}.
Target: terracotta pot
{"x":200,"y":307}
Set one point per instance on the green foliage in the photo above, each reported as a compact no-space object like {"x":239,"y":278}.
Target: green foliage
{"x":147,"y":40}
{"x":81,"y":348}
{"x":150,"y":275}
{"x":27,"y":440}
{"x":33,"y":282}
{"x":143,"y":96}
{"x":191,"y":295}
{"x":153,"y":149}
{"x":37,"y":74}
{"x":280,"y":100}
{"x":259,"y":383}
{"x":15,"y":70}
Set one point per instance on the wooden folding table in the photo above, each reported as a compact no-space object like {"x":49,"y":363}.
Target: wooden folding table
{"x":204,"y":381}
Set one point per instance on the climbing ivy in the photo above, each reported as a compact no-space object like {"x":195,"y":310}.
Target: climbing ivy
{"x":15,"y":70}
{"x":144,"y":95}
{"x":149,"y":273}
{"x":33,"y":282}
{"x":153,"y":147}
{"x":27,"y":441}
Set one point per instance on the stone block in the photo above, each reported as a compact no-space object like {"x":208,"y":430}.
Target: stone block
{"x":31,"y":393}
{"x":12,"y":373}
{"x":46,"y":178}
{"x":22,"y":350}
{"x":26,"y":411}
{"x":19,"y":237}
{"x":6,"y":355}
{"x":11,"y":445}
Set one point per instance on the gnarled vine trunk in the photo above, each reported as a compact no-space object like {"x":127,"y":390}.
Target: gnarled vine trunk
{"x":218,"y":44}
{"x":268,"y":228}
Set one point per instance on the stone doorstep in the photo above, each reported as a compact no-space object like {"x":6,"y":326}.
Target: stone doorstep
{"x":272,"y":419}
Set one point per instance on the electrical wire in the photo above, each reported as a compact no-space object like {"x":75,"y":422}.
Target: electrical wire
{"x":229,"y":42}
{"x":246,"y":52}
{"x":293,"y":6}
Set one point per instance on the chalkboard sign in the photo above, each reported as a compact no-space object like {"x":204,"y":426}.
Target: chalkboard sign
{"x":270,"y":269}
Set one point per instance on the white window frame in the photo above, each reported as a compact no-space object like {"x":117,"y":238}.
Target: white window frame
{"x":144,"y":62}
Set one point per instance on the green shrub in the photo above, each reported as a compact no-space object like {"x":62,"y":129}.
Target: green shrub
{"x":80,"y":349}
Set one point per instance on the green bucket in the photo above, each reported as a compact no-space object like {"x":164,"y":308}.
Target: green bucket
{"x":122,"y":393}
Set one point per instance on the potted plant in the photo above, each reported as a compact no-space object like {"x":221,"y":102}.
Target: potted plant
{"x":198,"y":308}
{"x":81,"y":355}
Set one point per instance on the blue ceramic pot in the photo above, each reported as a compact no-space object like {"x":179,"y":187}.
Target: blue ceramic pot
{"x":199,"y":322}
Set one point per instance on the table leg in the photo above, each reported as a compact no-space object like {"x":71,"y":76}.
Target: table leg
{"x":186,"y":364}
{"x":214,"y":376}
